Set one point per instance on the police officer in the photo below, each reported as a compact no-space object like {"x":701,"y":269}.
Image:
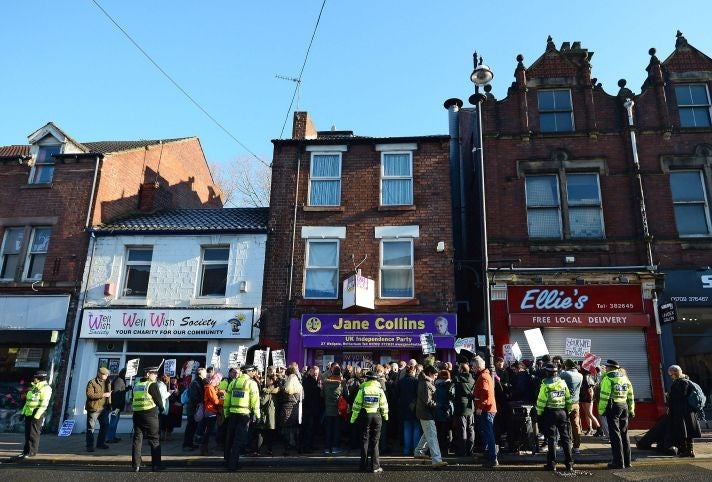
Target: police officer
{"x":370,"y":399}
{"x":147,"y":404}
{"x":33,"y":413}
{"x":242,"y":406}
{"x":222,"y":389}
{"x":552,"y":407}
{"x":617,"y":405}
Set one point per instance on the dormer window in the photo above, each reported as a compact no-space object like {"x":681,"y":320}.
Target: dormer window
{"x":555,"y":111}
{"x":43,"y":168}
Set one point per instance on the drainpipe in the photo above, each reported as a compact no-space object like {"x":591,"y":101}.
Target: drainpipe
{"x":457,"y":168}
{"x":294,"y":238}
{"x":93,"y":190}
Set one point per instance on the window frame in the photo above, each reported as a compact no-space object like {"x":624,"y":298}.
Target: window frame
{"x":681,"y":107}
{"x":20,"y":252}
{"x":555,"y":111}
{"x":204,"y":263}
{"x":308,"y":267}
{"x":128,"y":263}
{"x":705,"y":202}
{"x":558,"y":206}
{"x":411,"y":267}
{"x":395,"y":178}
{"x":29,"y":253}
{"x":324,"y":178}
{"x":47,"y":163}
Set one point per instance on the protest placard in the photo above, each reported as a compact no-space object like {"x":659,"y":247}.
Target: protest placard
{"x":516,"y":351}
{"x":512,"y":353}
{"x":169,"y":367}
{"x":590,"y":361}
{"x":427,"y":343}
{"x":132,"y":367}
{"x":215,"y":359}
{"x":577,"y":347}
{"x":469,"y":344}
{"x":536,"y":342}
{"x":66,"y":429}
{"x":279,"y":359}
{"x":259,"y":360}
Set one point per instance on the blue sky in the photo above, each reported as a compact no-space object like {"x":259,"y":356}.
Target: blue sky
{"x":377,"y":67}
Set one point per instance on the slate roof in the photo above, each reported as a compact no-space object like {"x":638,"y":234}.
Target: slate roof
{"x":105,"y":147}
{"x":14,"y":151}
{"x":189,"y":221}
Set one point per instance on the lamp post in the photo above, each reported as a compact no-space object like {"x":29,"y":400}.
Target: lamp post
{"x":480,"y":76}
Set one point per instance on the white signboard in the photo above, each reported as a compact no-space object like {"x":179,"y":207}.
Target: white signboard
{"x":238,"y":358}
{"x":427,"y":343}
{"x":259,"y":360}
{"x":215,"y":359}
{"x":169,"y":367}
{"x":33,"y":312}
{"x":132,"y":367}
{"x":279,"y":359}
{"x":66,"y":429}
{"x":516,"y":351}
{"x":469,"y":344}
{"x":167,"y":323}
{"x":359,"y":291}
{"x":536,"y":342}
{"x":512,"y":353}
{"x":578,"y":347}
{"x":482,"y":341}
{"x":326,"y":362}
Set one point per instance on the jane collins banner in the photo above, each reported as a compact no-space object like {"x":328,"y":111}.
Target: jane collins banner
{"x":167,"y":323}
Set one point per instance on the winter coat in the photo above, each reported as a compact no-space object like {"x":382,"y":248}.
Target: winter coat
{"x":287,"y":409}
{"x":118,"y":394}
{"x":212,"y":402}
{"x":464,"y":386}
{"x":426,"y":398}
{"x":268,"y":408}
{"x":683,"y":419}
{"x":96,"y":400}
{"x":484,"y":392}
{"x":333,"y":387}
{"x":312,"y":395}
{"x":407,"y":397}
{"x":444,"y":393}
{"x":522,"y":387}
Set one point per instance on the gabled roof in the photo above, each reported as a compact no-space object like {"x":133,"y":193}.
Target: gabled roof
{"x":106,"y":147}
{"x":14,"y":151}
{"x":189,"y":221}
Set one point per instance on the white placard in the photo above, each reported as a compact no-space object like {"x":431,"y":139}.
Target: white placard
{"x":265,"y":359}
{"x":169,"y":367}
{"x":279,"y":359}
{"x":482,"y":341}
{"x":578,"y":347}
{"x":427,"y":343}
{"x":215,"y":359}
{"x":326,"y":361}
{"x":516,"y":351}
{"x":469,"y":344}
{"x":132,"y":367}
{"x":536,"y":342}
{"x":259,"y":360}
{"x":66,"y":429}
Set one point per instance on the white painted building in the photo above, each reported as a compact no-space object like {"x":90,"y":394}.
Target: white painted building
{"x":182,"y":285}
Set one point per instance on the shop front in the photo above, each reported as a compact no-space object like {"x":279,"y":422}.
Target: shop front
{"x":366,"y":339}
{"x":31,"y":328}
{"x":179,"y":340}
{"x":614,"y":320}
{"x":688,"y":340}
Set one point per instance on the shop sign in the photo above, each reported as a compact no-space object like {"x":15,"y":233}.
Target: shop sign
{"x":580,"y":320}
{"x":167,"y":323}
{"x":668,"y":313}
{"x":377,"y":330}
{"x":575,"y":299}
{"x":689,"y":288}
{"x":359,"y":291}
{"x":33,"y":312}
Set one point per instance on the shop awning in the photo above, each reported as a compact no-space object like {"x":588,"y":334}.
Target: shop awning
{"x":33,"y":312}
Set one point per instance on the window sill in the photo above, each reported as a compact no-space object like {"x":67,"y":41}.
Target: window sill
{"x":702,"y":242}
{"x":318,"y":302}
{"x":130,"y":302}
{"x":695,"y":129}
{"x":208,"y":301}
{"x":323,"y":208}
{"x":407,"y":207}
{"x":39,"y":185}
{"x":577,"y":246}
{"x":398,"y":302}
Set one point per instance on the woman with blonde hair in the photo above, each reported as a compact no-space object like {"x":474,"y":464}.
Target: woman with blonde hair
{"x":289,"y":412}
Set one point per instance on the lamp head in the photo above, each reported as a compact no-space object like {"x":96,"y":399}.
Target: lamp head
{"x":481,"y":75}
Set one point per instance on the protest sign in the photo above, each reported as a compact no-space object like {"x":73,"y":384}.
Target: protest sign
{"x":259,"y":360}
{"x":469,"y":344}
{"x":427,"y":343}
{"x":512,"y":353}
{"x":66,"y":429}
{"x":279,"y":359}
{"x":132,"y":367}
{"x":169,"y":367}
{"x":215,"y":359}
{"x":516,"y":351}
{"x":577,"y":347}
{"x":590,"y":361}
{"x":536,"y":342}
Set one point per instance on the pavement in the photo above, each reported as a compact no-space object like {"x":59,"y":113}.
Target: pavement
{"x":70,"y":451}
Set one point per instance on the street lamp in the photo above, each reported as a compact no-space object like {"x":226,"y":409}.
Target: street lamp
{"x":482,"y":75}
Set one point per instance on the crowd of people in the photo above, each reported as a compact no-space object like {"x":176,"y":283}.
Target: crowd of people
{"x":427,"y":410}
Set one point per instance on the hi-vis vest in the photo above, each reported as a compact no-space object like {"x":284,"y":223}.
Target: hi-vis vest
{"x":242,"y":396}
{"x":553,"y":394}
{"x":370,"y":398}
{"x":142,"y":400}
{"x":37,"y":399}
{"x":617,"y":389}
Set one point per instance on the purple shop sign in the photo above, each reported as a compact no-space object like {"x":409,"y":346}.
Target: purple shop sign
{"x":371,"y":340}
{"x":439,"y":324}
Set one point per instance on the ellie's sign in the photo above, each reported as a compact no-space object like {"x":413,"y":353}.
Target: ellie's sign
{"x":575,"y":299}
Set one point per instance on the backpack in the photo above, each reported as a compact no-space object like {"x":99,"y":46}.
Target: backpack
{"x":184,"y":397}
{"x":696,"y":399}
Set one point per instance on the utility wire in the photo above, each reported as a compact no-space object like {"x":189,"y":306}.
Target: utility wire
{"x":183,"y":91}
{"x":299,"y":79}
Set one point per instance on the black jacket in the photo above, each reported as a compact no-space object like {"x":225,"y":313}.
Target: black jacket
{"x":118,"y":394}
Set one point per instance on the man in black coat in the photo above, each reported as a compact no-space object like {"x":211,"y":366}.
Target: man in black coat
{"x":196,"y":391}
{"x":312,"y":407}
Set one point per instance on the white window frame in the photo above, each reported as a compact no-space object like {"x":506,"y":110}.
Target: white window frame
{"x":704,"y":202}
{"x":307,"y":267}
{"x":47,"y":164}
{"x":598,"y":205}
{"x":552,"y":207}
{"x":30,"y":253}
{"x":555,"y":110}
{"x":128,"y":263}
{"x":411,"y":267}
{"x":204,"y":263}
{"x":393,"y":178}
{"x":680,"y":106}
{"x":324,"y":178}
{"x":19,"y":251}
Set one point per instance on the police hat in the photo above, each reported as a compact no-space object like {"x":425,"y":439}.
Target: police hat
{"x":247,"y":368}
{"x":40,"y":374}
{"x":550,"y":367}
{"x":612,"y":364}
{"x":151,"y":369}
{"x":371,"y":375}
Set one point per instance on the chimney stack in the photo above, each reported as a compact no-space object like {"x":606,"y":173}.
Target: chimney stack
{"x":303,"y":127}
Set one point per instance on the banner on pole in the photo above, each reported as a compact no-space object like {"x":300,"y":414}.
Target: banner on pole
{"x":279,"y":359}
{"x":259,"y":360}
{"x":132,"y":367}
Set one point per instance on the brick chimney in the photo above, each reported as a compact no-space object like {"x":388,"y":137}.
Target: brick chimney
{"x":147,"y":196}
{"x":303,"y":127}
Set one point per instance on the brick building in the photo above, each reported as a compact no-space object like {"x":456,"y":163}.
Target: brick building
{"x":54,"y":188}
{"x":598,"y":211}
{"x":342,"y":203}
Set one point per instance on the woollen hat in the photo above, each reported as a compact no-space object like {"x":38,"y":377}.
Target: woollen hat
{"x":103,"y":371}
{"x":612,"y":364}
{"x":550,"y":367}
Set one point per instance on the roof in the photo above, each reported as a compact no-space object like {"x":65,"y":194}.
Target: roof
{"x":189,"y":221}
{"x":14,"y":151}
{"x":105,"y":147}
{"x":337,"y":139}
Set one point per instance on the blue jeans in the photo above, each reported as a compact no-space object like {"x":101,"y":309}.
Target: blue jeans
{"x":113,"y":425}
{"x":411,"y":435}
{"x":486,"y":423}
{"x":429,"y":440}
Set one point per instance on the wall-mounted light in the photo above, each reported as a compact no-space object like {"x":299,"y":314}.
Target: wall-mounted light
{"x":580,"y":280}
{"x":244,"y":286}
{"x":569,"y":259}
{"x":440,"y":247}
